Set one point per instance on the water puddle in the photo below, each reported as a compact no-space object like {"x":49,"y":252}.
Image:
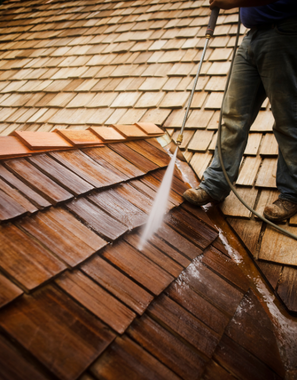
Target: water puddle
{"x":285,"y":325}
{"x":160,"y":205}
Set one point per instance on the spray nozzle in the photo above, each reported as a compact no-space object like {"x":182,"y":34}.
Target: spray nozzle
{"x":179,"y":139}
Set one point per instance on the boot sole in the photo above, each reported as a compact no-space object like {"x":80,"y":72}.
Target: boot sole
{"x":190,"y":200}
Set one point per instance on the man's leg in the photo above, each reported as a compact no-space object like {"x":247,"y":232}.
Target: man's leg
{"x":241,"y":106}
{"x":278,"y":67}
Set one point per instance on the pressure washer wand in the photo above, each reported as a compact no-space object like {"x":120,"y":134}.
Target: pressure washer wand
{"x":209,"y":33}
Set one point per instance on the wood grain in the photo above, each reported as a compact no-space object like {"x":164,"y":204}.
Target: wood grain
{"x":248,"y":230}
{"x":191,"y":228}
{"x":266,"y":197}
{"x":9,"y":291}
{"x":150,"y":152}
{"x":12,"y":146}
{"x":233,"y":207}
{"x":238,"y":361}
{"x":132,"y":362}
{"x":177,"y":184}
{"x":59,"y":239}
{"x":38,"y":181}
{"x":184,"y":324}
{"x":212,"y":287}
{"x":134,"y":196}
{"x":119,"y":208}
{"x":9,"y":208}
{"x":271,"y":271}
{"x":129,"y":131}
{"x":213,"y":371}
{"x":287,"y":288}
{"x":86,"y":168}
{"x":277,"y":247}
{"x":107,"y":134}
{"x":150,"y":128}
{"x":137,"y":266}
{"x":178,"y":241}
{"x":252,"y":329}
{"x":118,"y":284}
{"x":154,"y":183}
{"x":169,"y":250}
{"x":42,"y":140}
{"x":202,"y":309}
{"x":84,"y":336}
{"x":155,"y":255}
{"x":97,"y":300}
{"x":17,"y":196}
{"x":24,"y":260}
{"x":106,"y":226}
{"x":79,"y":137}
{"x":24,"y":370}
{"x":253,"y":144}
{"x":200,"y":141}
{"x":269,"y":146}
{"x":249,"y":171}
{"x":37,"y":199}
{"x":135,"y":158}
{"x":199,"y":162}
{"x":113,"y":161}
{"x":226,"y":268}
{"x":267,"y":173}
{"x":167,"y":348}
{"x":64,"y":177}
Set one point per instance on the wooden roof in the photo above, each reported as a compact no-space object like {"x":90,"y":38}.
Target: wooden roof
{"x":84,"y":87}
{"x":79,"y":300}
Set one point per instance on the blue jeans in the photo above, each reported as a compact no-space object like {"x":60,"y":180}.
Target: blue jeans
{"x":265,"y":66}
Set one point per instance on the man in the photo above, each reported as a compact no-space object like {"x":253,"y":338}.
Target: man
{"x":265,"y":66}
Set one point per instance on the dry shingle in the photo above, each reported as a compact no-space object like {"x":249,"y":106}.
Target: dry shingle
{"x":248,"y":171}
{"x":152,"y":84}
{"x":214,"y":100}
{"x":131,"y":115}
{"x":269,"y":146}
{"x":103,"y":99}
{"x":199,"y":162}
{"x":263,"y":123}
{"x":267,"y":173}
{"x":219,"y":68}
{"x":233,"y":207}
{"x":200,"y":141}
{"x":150,"y":100}
{"x":199,"y":119}
{"x":253,"y":144}
{"x":156,"y":116}
{"x":126,"y":99}
{"x":174,"y":100}
{"x":278,"y":247}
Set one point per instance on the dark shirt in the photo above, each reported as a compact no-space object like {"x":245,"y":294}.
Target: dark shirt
{"x":268,"y":14}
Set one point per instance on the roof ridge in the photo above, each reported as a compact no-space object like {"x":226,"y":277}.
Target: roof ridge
{"x":26,"y":143}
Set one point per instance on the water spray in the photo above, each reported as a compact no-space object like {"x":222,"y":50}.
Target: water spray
{"x":159,"y":206}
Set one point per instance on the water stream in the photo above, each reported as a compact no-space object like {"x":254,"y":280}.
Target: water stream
{"x":160,"y":205}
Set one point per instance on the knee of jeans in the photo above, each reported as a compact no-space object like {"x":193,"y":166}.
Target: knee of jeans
{"x":233,"y":133}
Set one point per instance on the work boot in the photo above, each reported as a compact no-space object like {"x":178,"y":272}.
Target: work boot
{"x":280,"y":210}
{"x":198,"y":197}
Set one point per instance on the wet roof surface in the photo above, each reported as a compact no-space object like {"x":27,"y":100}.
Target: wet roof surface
{"x":78,"y":297}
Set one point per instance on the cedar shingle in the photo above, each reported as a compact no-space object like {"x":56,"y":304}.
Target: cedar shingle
{"x":84,"y":335}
